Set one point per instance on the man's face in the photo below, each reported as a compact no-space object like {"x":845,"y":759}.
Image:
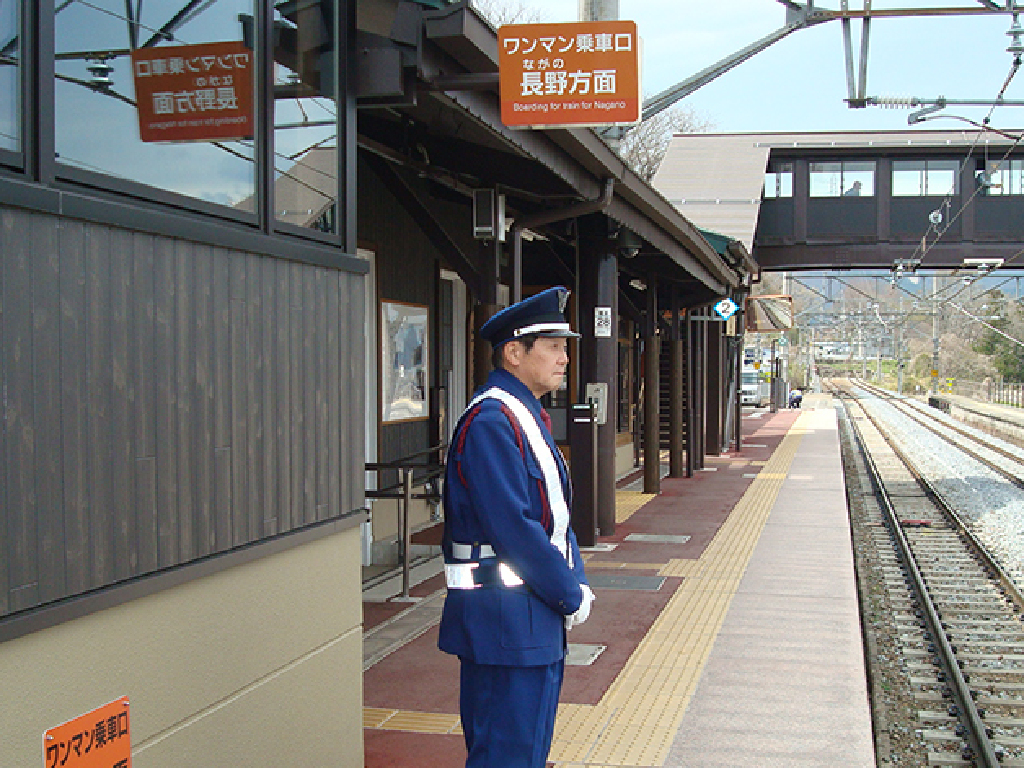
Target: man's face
{"x":542,"y":368}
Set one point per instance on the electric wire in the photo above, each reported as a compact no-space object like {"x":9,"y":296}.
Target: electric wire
{"x":946,"y":204}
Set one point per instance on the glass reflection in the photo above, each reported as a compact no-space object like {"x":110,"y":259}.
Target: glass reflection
{"x":305,"y":114}
{"x":97,"y":117}
{"x":10,"y":74}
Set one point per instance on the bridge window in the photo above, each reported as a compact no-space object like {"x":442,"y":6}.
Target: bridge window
{"x":1004,"y":178}
{"x":778,"y":181}
{"x":923,"y":178}
{"x":842,"y":179}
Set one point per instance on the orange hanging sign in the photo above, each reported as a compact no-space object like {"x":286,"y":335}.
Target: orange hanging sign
{"x":194,"y":92}
{"x":569,"y":75}
{"x":97,"y":739}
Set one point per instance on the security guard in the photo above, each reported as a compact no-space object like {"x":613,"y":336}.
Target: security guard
{"x":514,"y":573}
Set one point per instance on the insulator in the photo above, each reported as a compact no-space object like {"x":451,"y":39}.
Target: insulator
{"x":896,"y":102}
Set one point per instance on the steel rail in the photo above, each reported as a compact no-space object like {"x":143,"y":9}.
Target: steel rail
{"x":920,"y":418}
{"x":1010,"y":587}
{"x":976,"y":730}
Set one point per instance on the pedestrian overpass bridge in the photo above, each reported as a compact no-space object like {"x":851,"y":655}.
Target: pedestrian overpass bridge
{"x":900,"y":200}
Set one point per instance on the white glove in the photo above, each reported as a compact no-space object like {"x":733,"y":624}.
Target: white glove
{"x":583,"y":612}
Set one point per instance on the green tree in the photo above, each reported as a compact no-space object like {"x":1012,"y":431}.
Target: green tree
{"x":1007,"y":354}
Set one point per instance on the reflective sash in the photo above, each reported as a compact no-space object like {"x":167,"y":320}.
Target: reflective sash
{"x":545,"y":458}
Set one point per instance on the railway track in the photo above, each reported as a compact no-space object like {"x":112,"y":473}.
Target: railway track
{"x":1003,"y":460}
{"x":956,"y":611}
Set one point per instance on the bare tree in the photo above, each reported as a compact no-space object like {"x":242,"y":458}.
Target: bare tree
{"x":500,"y":12}
{"x":644,"y":146}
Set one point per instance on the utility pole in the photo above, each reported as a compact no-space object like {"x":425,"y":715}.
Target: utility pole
{"x":598,"y":10}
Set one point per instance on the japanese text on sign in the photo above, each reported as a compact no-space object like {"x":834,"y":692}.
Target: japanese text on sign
{"x":194,"y":92}
{"x":98,"y":739}
{"x":569,"y":74}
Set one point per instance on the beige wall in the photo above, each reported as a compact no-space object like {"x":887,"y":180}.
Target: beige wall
{"x":624,"y":459}
{"x":258,"y":665}
{"x":385,"y":517}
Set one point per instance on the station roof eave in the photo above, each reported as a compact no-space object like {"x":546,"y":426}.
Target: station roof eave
{"x":577,"y":155}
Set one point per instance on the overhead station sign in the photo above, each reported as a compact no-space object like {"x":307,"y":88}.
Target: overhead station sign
{"x":569,"y":75}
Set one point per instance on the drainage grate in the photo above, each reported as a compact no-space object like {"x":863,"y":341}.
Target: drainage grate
{"x":607,"y":580}
{"x":657,"y":538}
{"x":582,"y":655}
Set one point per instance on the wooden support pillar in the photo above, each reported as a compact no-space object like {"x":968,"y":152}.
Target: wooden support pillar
{"x":599,"y":350}
{"x":690,"y":428}
{"x":490,"y":259}
{"x":652,"y":392}
{"x":715,"y":387}
{"x":676,"y":416}
{"x":738,"y":396}
{"x":697,"y":401}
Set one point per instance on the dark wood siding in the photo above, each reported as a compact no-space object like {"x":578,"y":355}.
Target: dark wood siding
{"x":164,"y":401}
{"x":407,"y":271}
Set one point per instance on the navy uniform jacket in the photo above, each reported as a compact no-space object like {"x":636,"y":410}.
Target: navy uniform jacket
{"x":494,"y":494}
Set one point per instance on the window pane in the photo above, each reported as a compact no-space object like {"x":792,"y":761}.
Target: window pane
{"x":908,"y":178}
{"x":859,"y":179}
{"x":778,"y":184}
{"x":826,"y":179}
{"x":191,"y":132}
{"x":305,"y":115}
{"x":10,"y":74}
{"x":941,"y":179}
{"x":1016,"y":175}
{"x":907,"y":183}
{"x":940,"y":182}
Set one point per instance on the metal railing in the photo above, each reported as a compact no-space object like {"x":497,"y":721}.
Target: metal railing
{"x":994,"y":391}
{"x":428,"y":478}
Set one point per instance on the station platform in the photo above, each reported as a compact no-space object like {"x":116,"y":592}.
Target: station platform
{"x":726,"y":628}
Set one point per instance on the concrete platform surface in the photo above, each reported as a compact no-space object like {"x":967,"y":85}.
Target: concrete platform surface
{"x":739,"y":643}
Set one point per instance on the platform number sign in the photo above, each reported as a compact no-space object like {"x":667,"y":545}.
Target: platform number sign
{"x":602,"y":322}
{"x":726,"y":308}
{"x":97,"y":739}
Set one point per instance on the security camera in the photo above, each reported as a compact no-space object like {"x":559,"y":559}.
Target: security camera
{"x":935,"y":217}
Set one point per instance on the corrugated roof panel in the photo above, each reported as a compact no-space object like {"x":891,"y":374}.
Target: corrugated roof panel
{"x":715,"y":181}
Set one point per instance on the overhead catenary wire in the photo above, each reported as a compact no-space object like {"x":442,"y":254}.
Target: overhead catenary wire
{"x":923,"y":247}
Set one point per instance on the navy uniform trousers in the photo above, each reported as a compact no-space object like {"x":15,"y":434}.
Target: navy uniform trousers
{"x":508,"y":713}
{"x":510,"y":639}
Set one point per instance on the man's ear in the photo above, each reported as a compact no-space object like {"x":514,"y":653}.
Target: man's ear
{"x":512,"y":352}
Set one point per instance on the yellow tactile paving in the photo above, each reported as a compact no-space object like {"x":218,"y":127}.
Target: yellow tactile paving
{"x":375,"y":718}
{"x":403,"y":720}
{"x":638,"y":717}
{"x":628,"y":502}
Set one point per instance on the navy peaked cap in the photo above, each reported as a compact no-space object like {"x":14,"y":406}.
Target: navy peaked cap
{"x":541,"y":314}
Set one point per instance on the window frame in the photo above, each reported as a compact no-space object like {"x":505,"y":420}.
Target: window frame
{"x":924,"y":175}
{"x":844,"y":172}
{"x":37,"y":162}
{"x":779,"y":170}
{"x":1014,"y":164}
{"x":15,"y":159}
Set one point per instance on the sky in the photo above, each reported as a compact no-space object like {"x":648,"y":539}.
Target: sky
{"x":799,"y":83}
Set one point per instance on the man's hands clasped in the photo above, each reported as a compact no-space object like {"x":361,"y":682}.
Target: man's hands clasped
{"x":575,"y":619}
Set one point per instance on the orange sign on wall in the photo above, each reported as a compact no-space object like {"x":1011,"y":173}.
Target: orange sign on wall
{"x":97,"y":739}
{"x":194,"y":92}
{"x":576,"y":74}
